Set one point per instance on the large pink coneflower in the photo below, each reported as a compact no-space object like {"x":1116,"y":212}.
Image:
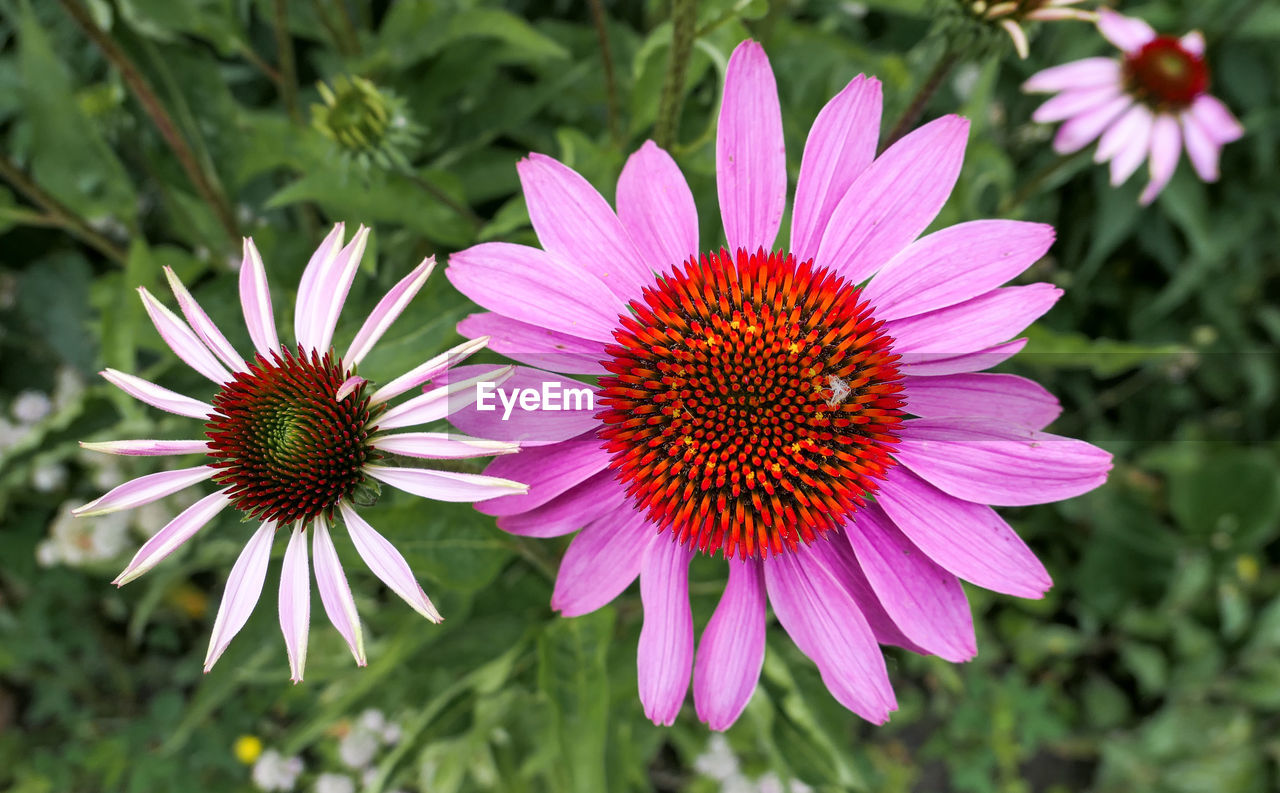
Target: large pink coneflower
{"x":1148,"y":105}
{"x":833,"y":443}
{"x":295,"y":440}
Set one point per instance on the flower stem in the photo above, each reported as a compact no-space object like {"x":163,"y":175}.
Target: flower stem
{"x":1033,"y":186}
{"x":59,"y":214}
{"x":683,"y":18}
{"x":610,"y":81}
{"x":435,"y":192}
{"x":284,"y":56}
{"x":205,"y":185}
{"x":930,"y":86}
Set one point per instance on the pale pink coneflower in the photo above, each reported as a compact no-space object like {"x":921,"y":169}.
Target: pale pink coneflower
{"x":295,"y":440}
{"x":837,"y":445}
{"x":1149,"y":104}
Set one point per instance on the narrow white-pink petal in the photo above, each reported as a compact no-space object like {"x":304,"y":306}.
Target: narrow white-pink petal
{"x":244,"y":587}
{"x":1216,"y":119}
{"x":147,"y":448}
{"x":144,"y":490}
{"x":840,"y":146}
{"x":601,"y":561}
{"x":934,"y":366}
{"x":440,"y":402}
{"x":388,"y":308}
{"x":1126,"y":33}
{"x":731,"y":650}
{"x":824,"y":621}
{"x":332,"y":288}
{"x":348,"y":387}
{"x":295,"y":601}
{"x":173,"y":535}
{"x":1019,"y":37}
{"x":751,"y":158}
{"x":1081,"y":130}
{"x":1166,"y":146}
{"x":894,"y":199}
{"x":446,"y":485}
{"x":335,"y":594}
{"x":157,"y":396}
{"x":972,"y":325}
{"x":387,"y":563}
{"x":926,"y":602}
{"x":1125,"y":143}
{"x":969,"y":540}
{"x":255,"y":301}
{"x":1074,"y":75}
{"x":441,"y":445}
{"x":180,"y":338}
{"x":203,"y":325}
{"x":664,"y":658}
{"x":1074,"y":102}
{"x":1202,"y":150}
{"x":427,"y":370}
{"x":955,"y":264}
{"x":656,"y":207}
{"x":1008,"y":397}
{"x":1193,"y":43}
{"x":575,"y":223}
{"x":562,"y":408}
{"x":307,"y":316}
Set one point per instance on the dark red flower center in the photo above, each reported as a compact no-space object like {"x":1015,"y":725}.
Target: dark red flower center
{"x":1165,"y":75}
{"x":282,"y":440}
{"x":751,"y":404}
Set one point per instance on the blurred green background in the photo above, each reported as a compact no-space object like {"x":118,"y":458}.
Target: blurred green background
{"x":157,"y":132}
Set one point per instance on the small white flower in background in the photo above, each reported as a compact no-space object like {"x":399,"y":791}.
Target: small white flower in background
{"x":274,"y":771}
{"x":48,"y":477}
{"x":372,"y":720}
{"x":358,"y":747}
{"x":335,"y":783}
{"x":718,"y":761}
{"x":31,"y":406}
{"x":391,"y":734}
{"x":75,"y":543}
{"x":10,"y":434}
{"x":67,"y":387}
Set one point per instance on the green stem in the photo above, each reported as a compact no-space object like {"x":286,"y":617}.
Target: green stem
{"x":911,"y":115}
{"x":610,"y":81}
{"x":59,"y":214}
{"x":683,"y":18}
{"x":441,"y":196}
{"x":1032,"y":186}
{"x":284,"y":55}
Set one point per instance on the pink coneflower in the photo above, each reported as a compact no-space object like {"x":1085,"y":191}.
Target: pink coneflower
{"x":296,"y":438}
{"x":1147,"y":105}
{"x":833,"y":443}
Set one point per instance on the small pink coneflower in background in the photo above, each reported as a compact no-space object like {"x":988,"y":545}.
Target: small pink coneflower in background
{"x":295,"y":440}
{"x":1150,"y":104}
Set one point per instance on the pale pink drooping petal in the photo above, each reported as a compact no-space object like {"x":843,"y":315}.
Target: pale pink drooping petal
{"x":385,"y":313}
{"x":1018,"y":36}
{"x":147,"y":448}
{"x":571,"y":510}
{"x":1193,"y":43}
{"x":348,"y":387}
{"x":751,"y":160}
{"x":307,"y":316}
{"x":1216,"y":119}
{"x":973,"y":325}
{"x":1073,"y":102}
{"x":1166,"y":147}
{"x":1084,"y":128}
{"x":656,"y":207}
{"x":445,"y":485}
{"x":203,"y":325}
{"x":173,"y":535}
{"x":1126,"y":143}
{"x":333,"y":284}
{"x":1202,"y":150}
{"x":440,"y":402}
{"x":441,"y":445}
{"x":157,"y":396}
{"x":840,"y":146}
{"x":601,"y":562}
{"x":180,"y":338}
{"x":244,"y":587}
{"x":335,"y":594}
{"x":255,"y":302}
{"x":144,"y":490}
{"x":1127,"y":33}
{"x":1007,"y":397}
{"x":426,"y":371}
{"x":295,"y":602}
{"x":731,"y":650}
{"x":387,"y":563}
{"x":664,"y":658}
{"x":533,"y":345}
{"x":1090,"y":72}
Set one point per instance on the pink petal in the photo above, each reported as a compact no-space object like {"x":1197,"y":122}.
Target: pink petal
{"x":332,"y":287}
{"x":534,"y":345}
{"x":1127,"y":33}
{"x":576,"y":225}
{"x":751,"y":160}
{"x":1193,"y":43}
{"x":601,"y":562}
{"x":925,"y":601}
{"x":1077,"y":74}
{"x":244,"y":587}
{"x":144,"y":490}
{"x":1007,"y":397}
{"x":426,"y":371}
{"x":203,"y":325}
{"x":731,"y":650}
{"x":664,"y":658}
{"x":825,"y":623}
{"x":1125,"y":143}
{"x":841,"y":144}
{"x":295,"y":602}
{"x":966,"y":539}
{"x":1216,"y":119}
{"x":157,"y":396}
{"x":955,"y":264}
{"x":959,"y":364}
{"x":571,"y":510}
{"x":255,"y":300}
{"x":894,"y":199}
{"x":993,"y":462}
{"x":184,"y":343}
{"x":387,"y":563}
{"x":656,"y":208}
{"x":349,"y":386}
{"x":1073,"y":102}
{"x":387,"y":310}
{"x":538,"y":288}
{"x":972,"y":325}
{"x":147,"y":448}
{"x":834,"y":553}
{"x":445,"y":485}
{"x":173,"y":535}
{"x":307,"y":313}
{"x":549,"y":471}
{"x":335,"y":594}
{"x":441,"y":445}
{"x":1019,"y":37}
{"x":1166,"y":146}
{"x":569,"y":409}
{"x":443,"y":402}
{"x":1081,"y":130}
{"x":1202,"y":150}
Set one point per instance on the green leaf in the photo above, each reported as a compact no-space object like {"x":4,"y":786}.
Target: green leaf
{"x":1233,"y":493}
{"x":571,"y":673}
{"x":1052,"y":349}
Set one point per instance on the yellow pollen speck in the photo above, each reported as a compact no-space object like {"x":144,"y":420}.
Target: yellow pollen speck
{"x":793,"y":348}
{"x":776,"y":468}
{"x":247,"y":749}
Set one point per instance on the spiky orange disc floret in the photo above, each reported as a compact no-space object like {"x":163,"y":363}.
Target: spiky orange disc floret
{"x":1165,"y":75}
{"x":287,"y":446}
{"x":751,"y":404}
